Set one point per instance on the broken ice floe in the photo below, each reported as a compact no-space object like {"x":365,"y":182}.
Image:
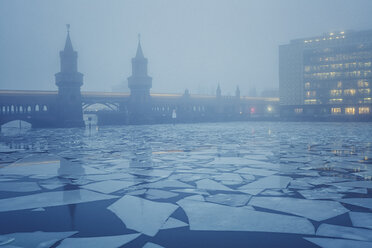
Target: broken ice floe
{"x":361,"y":219}
{"x":214,"y":217}
{"x":109,"y":186}
{"x":321,"y":193}
{"x":168,"y":184}
{"x":98,"y":242}
{"x":19,"y":186}
{"x":233,"y":200}
{"x":344,"y":232}
{"x":34,"y":239}
{"x":312,"y":209}
{"x":358,"y":184}
{"x":270,"y":182}
{"x":209,"y":184}
{"x":361,"y":202}
{"x":173,"y":223}
{"x":152,"y":245}
{"x":142,"y":215}
{"x":338,"y":243}
{"x":49,"y":199}
{"x":154,"y":194}
{"x":256,"y":172}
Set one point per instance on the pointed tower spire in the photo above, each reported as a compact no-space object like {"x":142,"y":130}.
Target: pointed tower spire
{"x":139,"y":54}
{"x":68,"y":44}
{"x":237,"y":92}
{"x":218,"y":91}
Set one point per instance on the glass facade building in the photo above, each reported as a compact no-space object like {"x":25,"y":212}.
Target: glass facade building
{"x":327,"y":76}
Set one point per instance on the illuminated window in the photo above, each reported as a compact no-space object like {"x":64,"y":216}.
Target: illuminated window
{"x":298,"y":110}
{"x":339,"y":84}
{"x":307,"y":85}
{"x":335,"y":100}
{"x":310,"y":101}
{"x":364,"y":91}
{"x":349,"y":92}
{"x":367,"y":100}
{"x":336,"y":111}
{"x":363,"y":110}
{"x":336,"y":92}
{"x":350,"y":111}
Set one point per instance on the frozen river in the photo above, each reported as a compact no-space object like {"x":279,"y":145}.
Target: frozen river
{"x":252,"y":184}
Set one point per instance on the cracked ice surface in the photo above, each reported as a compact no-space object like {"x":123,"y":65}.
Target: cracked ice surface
{"x":50,"y":199}
{"x":210,"y":216}
{"x":241,"y":177}
{"x":34,"y":239}
{"x":312,"y":209}
{"x":98,"y":242}
{"x":142,"y":215}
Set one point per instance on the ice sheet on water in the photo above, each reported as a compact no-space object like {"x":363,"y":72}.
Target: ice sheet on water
{"x":233,"y":200}
{"x":214,"y":217}
{"x":191,"y":191}
{"x":361,"y":219}
{"x":352,"y":190}
{"x":38,"y":209}
{"x":152,"y":245}
{"x":228,"y":178}
{"x":270,"y":182}
{"x":168,"y":184}
{"x":109,"y":186}
{"x":361,"y":202}
{"x":359,"y":184}
{"x":50,"y":199}
{"x":19,"y":186}
{"x":113,"y":176}
{"x":137,"y":192}
{"x":35,"y":239}
{"x":251,"y":191}
{"x":152,"y":172}
{"x":46,"y":166}
{"x":194,"y":198}
{"x":142,"y":215}
{"x":257,"y":172}
{"x":338,"y":243}
{"x":154,"y":194}
{"x":209,"y":184}
{"x":98,"y":242}
{"x":173,"y":223}
{"x":344,"y":232}
{"x":313,"y":209}
{"x":272,"y":192}
{"x":321,"y":193}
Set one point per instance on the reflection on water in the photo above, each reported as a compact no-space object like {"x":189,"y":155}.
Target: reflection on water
{"x":194,"y":183}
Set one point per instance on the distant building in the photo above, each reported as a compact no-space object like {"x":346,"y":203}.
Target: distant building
{"x":327,"y":76}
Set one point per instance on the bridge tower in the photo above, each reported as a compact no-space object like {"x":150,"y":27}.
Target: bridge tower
{"x":69,"y":80}
{"x":139,"y":84}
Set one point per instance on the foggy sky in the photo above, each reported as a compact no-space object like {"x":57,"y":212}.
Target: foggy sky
{"x":192,"y":44}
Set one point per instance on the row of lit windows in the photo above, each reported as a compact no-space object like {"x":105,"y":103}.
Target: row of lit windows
{"x":335,"y":111}
{"x":356,"y":56}
{"x":351,"y":110}
{"x":341,"y":36}
{"x":337,"y":66}
{"x":361,"y":84}
{"x":347,"y":92}
{"x":332,"y":75}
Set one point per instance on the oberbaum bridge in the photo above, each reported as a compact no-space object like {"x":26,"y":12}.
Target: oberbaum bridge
{"x":65,"y":107}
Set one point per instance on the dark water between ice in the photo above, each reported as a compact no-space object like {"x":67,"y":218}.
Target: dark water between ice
{"x":252,"y":184}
